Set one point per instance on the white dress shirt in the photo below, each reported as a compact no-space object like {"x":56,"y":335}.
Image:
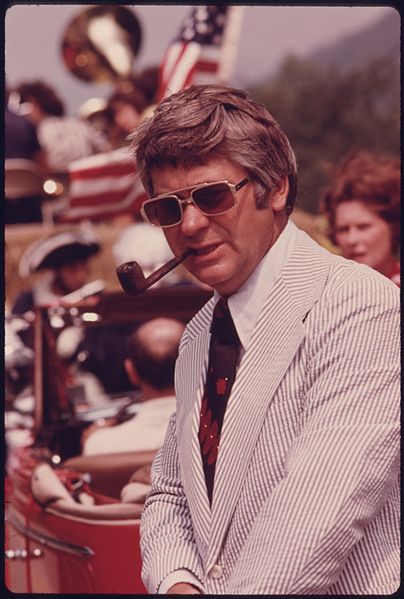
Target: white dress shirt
{"x":245,"y":305}
{"x":145,"y":431}
{"x":66,"y":139}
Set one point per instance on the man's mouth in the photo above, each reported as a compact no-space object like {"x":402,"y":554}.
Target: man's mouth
{"x":203,"y":251}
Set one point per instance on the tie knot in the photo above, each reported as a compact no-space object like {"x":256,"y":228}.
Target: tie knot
{"x":222,"y":326}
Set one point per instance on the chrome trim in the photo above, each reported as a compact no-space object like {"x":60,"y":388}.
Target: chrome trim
{"x":22,"y":553}
{"x":47,"y":541}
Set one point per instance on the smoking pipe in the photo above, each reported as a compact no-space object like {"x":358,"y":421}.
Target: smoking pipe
{"x":132,"y":279}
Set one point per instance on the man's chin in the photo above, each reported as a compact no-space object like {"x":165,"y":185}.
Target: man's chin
{"x":223,"y":285}
{"x":212,"y":277}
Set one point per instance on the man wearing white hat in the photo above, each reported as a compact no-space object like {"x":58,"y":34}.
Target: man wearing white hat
{"x":66,"y":255}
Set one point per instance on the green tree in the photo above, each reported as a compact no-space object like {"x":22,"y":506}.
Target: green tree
{"x":326,"y":112}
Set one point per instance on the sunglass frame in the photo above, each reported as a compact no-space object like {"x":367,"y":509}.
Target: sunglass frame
{"x":233,"y":187}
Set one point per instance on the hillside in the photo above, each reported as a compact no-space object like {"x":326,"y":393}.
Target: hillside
{"x":380,"y":39}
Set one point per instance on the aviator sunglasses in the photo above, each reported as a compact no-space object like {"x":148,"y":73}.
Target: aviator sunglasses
{"x":212,"y":199}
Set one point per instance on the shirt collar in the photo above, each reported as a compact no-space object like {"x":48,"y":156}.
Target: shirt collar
{"x":245,"y":305}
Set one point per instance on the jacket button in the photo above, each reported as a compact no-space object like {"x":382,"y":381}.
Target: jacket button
{"x":216,"y":571}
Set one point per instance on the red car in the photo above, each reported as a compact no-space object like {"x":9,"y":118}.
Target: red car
{"x":66,"y":529}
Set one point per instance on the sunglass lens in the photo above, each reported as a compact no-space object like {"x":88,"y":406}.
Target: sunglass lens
{"x":163,"y":212}
{"x":214,"y":198}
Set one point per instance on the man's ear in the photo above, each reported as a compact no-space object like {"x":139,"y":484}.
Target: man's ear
{"x":132,"y":372}
{"x":279,"y":195}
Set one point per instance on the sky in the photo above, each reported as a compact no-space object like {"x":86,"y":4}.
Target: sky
{"x":268,"y":34}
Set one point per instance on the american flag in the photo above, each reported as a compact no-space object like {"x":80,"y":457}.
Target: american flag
{"x":194,"y":56}
{"x":102,"y":187}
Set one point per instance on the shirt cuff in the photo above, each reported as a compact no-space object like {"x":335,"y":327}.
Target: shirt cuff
{"x":182,"y":575}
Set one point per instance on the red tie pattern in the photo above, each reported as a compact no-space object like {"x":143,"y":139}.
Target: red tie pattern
{"x":223,"y":355}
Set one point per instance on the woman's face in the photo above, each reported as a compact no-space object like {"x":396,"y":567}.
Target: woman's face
{"x":362,"y":235}
{"x":126,"y":116}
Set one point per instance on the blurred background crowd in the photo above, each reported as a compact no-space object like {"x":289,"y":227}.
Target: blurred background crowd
{"x":66,"y":135}
{"x":72,"y":196}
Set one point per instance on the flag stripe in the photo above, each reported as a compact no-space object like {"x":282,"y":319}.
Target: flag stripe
{"x":101,"y":185}
{"x":115,"y":170}
{"x":100,"y":199}
{"x":130,"y":203}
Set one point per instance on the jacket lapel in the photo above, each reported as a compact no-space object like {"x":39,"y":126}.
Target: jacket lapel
{"x":191,"y":369}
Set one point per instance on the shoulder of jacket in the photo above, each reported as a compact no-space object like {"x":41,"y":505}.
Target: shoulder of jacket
{"x":351,"y":277}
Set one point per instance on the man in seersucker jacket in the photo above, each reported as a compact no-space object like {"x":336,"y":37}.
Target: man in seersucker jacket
{"x":306,"y":483}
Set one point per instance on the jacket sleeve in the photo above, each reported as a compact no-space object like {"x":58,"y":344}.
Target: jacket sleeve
{"x":167,"y":542}
{"x":342,"y":469}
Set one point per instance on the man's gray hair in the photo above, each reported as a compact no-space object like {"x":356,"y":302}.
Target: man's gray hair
{"x":205,"y":122}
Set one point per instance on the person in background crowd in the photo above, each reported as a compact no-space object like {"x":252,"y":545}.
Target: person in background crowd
{"x":125,"y":110}
{"x":130,"y":103}
{"x":152,"y":352}
{"x":66,"y":258}
{"x":362,"y":205}
{"x":148,"y":82}
{"x":64,"y":139}
{"x":21,"y":142}
{"x":287,"y":482}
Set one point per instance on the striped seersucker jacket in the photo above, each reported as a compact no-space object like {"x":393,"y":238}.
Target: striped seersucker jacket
{"x":306,"y":495}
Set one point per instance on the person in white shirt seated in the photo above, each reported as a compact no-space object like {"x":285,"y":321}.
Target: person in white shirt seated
{"x":63,"y":138}
{"x":152,"y":352}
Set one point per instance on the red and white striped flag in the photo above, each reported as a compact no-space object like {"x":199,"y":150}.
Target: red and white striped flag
{"x":203,"y":51}
{"x":103,"y":186}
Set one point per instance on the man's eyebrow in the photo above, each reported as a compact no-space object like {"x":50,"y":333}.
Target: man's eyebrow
{"x":183,"y":192}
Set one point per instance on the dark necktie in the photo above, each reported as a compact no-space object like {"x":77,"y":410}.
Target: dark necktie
{"x":223,"y":355}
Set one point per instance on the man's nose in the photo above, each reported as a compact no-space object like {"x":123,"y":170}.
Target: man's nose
{"x":193,"y":220}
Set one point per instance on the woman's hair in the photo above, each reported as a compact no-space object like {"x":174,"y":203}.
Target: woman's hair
{"x":373,"y":180}
{"x":135,"y":98}
{"x":42,"y":94}
{"x":205,"y":122}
